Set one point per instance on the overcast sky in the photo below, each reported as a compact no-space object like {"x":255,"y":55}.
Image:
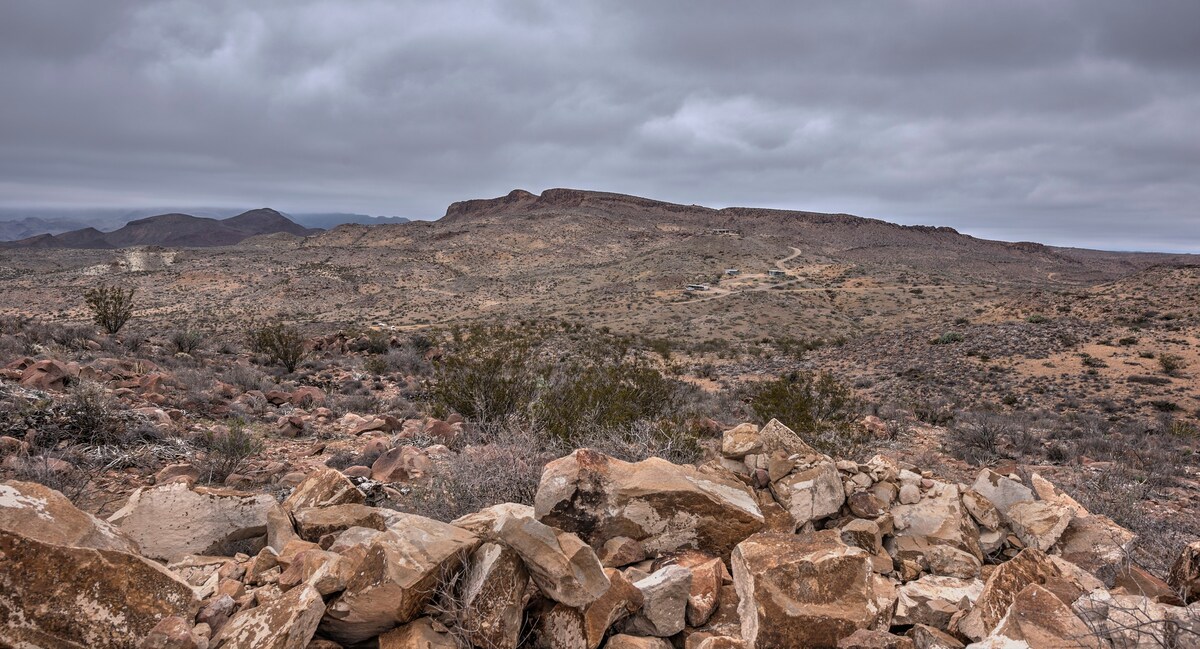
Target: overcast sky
{"x":1051,"y":120}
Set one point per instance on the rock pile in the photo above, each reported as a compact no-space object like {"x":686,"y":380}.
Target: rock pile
{"x":770,"y":545}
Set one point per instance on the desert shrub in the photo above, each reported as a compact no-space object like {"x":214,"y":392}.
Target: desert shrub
{"x":247,"y":378}
{"x":814,"y":405}
{"x":1036,"y":318}
{"x":488,"y":374}
{"x":347,"y":458}
{"x":1170,"y":363}
{"x":92,"y":417}
{"x":375,"y":365}
{"x":604,"y":396}
{"x":408,"y":360}
{"x":947,"y":338}
{"x":111,"y":306}
{"x":226,"y":450}
{"x":279,"y":342}
{"x":1091,"y":361}
{"x":481,"y":477}
{"x":975,"y":437}
{"x":378,"y":342}
{"x":186,"y":341}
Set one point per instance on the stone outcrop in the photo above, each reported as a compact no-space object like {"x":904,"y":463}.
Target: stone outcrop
{"x":43,"y":514}
{"x":215,"y":518}
{"x":491,"y":597}
{"x":665,"y":506}
{"x":324,"y":487}
{"x":398,"y":575}
{"x":57,"y":595}
{"x":564,"y":568}
{"x":287,"y":622}
{"x":808,"y":590}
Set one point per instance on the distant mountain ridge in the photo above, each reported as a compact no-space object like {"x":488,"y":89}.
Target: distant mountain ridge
{"x":173,"y":230}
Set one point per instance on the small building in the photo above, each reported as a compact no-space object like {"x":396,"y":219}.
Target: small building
{"x":697,"y":287}
{"x":775,"y":272}
{"x":732,"y":271}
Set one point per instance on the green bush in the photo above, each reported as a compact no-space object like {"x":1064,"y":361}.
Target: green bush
{"x":111,"y":306}
{"x":815,"y":405}
{"x":1170,"y":363}
{"x":947,"y":338}
{"x":227,"y":450}
{"x":279,"y":342}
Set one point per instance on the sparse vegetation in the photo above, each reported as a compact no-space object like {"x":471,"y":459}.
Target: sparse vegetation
{"x":226,"y":450}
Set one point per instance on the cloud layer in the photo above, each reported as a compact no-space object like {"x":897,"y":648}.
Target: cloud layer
{"x":1068,"y":122}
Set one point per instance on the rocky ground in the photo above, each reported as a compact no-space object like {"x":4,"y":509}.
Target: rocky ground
{"x":768,"y":544}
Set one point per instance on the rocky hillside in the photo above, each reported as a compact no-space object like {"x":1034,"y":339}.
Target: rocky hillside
{"x":770,"y":544}
{"x":172,"y":230}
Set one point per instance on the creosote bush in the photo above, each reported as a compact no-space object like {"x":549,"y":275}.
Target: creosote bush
{"x":279,"y":342}
{"x":187,"y":341}
{"x":558,"y":380}
{"x":111,"y":306}
{"x":226,"y":451}
{"x":816,"y":406}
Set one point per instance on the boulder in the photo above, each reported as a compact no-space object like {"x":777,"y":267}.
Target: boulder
{"x":397,"y":576}
{"x":173,"y":633}
{"x":665,"y":506}
{"x":49,"y":374}
{"x":937,"y":533}
{"x":491,"y":597}
{"x":1039,"y":524}
{"x":486,"y":523}
{"x":664,"y":602}
{"x":933,"y":600}
{"x":811,"y":493}
{"x":60,"y":596}
{"x":621,"y":600}
{"x":557,"y":626}
{"x":1008,"y":579}
{"x":623,"y":641}
{"x":1185,"y":573}
{"x":1132,"y":621}
{"x":872,"y":639}
{"x":214,"y":519}
{"x":315,"y":522}
{"x":806,"y":590}
{"x":323,"y":487}
{"x":564,"y":568}
{"x":927,"y":637}
{"x":1039,"y":618}
{"x":43,"y":514}
{"x":1098,"y":545}
{"x":1003,"y":492}
{"x":418,"y":634}
{"x":745,"y":439}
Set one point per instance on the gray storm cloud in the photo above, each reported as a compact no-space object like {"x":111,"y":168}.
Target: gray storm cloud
{"x":1066,"y":122}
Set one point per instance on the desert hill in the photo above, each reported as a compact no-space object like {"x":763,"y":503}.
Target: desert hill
{"x":172,"y":230}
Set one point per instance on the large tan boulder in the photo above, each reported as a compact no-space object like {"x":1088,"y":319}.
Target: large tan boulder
{"x":1185,"y":573}
{"x":564,"y":568}
{"x":172,"y":520}
{"x":927,"y":637}
{"x":1008,"y":579}
{"x":322,"y":488}
{"x":486,"y":523}
{"x":664,"y":602}
{"x":665,"y":506}
{"x":874,"y":639}
{"x":286,"y":622}
{"x":557,"y":626}
{"x":811,"y":493}
{"x":398,"y":575}
{"x":41,"y":513}
{"x":808,"y":590}
{"x":1040,"y":619}
{"x":315,"y":522}
{"x":1134,"y":622}
{"x":1003,"y":492}
{"x":937,"y":532}
{"x":1098,"y":545}
{"x":60,"y":596}
{"x":624,"y":641}
{"x":933,"y":600}
{"x":745,"y":439}
{"x":1039,"y":524}
{"x":491,"y":597}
